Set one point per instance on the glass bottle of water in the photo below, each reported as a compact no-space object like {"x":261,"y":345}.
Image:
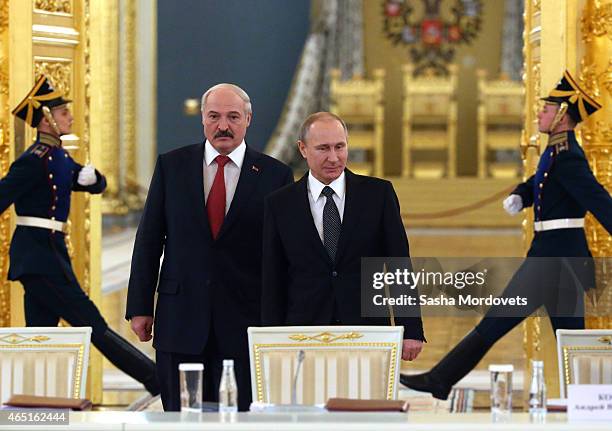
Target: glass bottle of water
{"x":228,"y":389}
{"x":537,"y":389}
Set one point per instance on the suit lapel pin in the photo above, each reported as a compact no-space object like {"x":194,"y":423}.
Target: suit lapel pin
{"x":255,"y":168}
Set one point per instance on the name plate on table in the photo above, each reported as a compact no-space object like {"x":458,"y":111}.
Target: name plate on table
{"x":589,"y":402}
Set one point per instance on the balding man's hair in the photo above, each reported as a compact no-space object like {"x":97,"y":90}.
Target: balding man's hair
{"x":319,"y":116}
{"x":237,"y":90}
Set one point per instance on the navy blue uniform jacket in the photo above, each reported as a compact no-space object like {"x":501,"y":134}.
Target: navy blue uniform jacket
{"x":40,"y":183}
{"x":564,"y":187}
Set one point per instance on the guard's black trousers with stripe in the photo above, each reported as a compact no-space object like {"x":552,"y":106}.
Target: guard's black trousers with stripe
{"x":49,"y":298}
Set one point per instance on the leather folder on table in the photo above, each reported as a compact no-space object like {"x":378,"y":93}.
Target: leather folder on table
{"x":350,"y":405}
{"x":31,"y":401}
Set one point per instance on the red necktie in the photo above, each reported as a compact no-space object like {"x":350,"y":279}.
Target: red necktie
{"x":215,"y":206}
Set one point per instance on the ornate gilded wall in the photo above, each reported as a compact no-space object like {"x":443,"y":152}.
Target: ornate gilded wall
{"x":5,"y":157}
{"x":596,"y":75}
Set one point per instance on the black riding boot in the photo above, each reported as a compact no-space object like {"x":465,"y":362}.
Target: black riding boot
{"x":128,"y":359}
{"x":452,"y":368}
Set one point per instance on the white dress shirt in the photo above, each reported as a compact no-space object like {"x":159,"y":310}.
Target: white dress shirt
{"x":231,"y":173}
{"x":317,"y":200}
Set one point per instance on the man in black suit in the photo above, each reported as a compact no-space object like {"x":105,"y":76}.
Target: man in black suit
{"x":317,"y":230}
{"x":204,"y":212}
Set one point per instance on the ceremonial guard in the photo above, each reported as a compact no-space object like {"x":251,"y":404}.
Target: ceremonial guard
{"x":559,"y":267}
{"x":40,"y":183}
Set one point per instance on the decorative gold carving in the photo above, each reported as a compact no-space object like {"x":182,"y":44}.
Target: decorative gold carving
{"x":20,"y":339}
{"x":86,"y":283}
{"x":112,"y":202}
{"x":602,"y":132}
{"x":588,"y":78}
{"x":596,"y":137}
{"x":606,"y":78}
{"x":605,"y":340}
{"x":326,"y":337}
{"x":4,"y":15}
{"x":597,"y":23}
{"x":4,"y":79}
{"x":592,"y":80}
{"x":54,"y":6}
{"x":58,"y":72}
{"x":532,"y":326}
{"x":128,"y":102}
{"x":5,"y":159}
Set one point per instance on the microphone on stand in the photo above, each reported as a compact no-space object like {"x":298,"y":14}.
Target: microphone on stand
{"x":300,"y":358}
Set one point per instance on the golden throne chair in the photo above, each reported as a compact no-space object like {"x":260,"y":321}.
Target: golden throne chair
{"x":429,"y":124}
{"x":359,"y":102}
{"x":500,"y":124}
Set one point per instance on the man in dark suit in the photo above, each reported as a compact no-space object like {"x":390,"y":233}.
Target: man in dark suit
{"x":40,"y":184}
{"x":204,"y":213}
{"x":559,"y":266}
{"x":317,"y":230}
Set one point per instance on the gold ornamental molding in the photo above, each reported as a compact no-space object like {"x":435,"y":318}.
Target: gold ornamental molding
{"x":325,"y":337}
{"x":4,"y":79}
{"x":596,"y":135}
{"x":537,"y":6}
{"x":5,"y":158}
{"x":606,"y":78}
{"x":594,"y":77}
{"x":58,"y":71}
{"x":589,"y":78}
{"x":605,"y":340}
{"x":20,"y":339}
{"x":4,"y":15}
{"x":131,"y":193}
{"x":57,"y":7}
{"x":85,"y":143}
{"x":54,"y":35}
{"x":598,"y":22}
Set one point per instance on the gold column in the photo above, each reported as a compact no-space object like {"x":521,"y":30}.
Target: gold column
{"x":128,"y":103}
{"x":105,"y":41}
{"x":21,"y":77}
{"x":596,"y":76}
{"x":6,"y":155}
{"x":530,"y":145}
{"x":90,"y":247}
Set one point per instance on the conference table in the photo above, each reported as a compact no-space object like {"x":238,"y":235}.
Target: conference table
{"x":337,"y":421}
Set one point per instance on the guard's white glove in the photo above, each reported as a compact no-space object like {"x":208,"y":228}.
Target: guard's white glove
{"x":87,"y":176}
{"x":513,"y":204}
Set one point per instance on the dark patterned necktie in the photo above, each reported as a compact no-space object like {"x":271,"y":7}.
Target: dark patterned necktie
{"x":331,"y":223}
